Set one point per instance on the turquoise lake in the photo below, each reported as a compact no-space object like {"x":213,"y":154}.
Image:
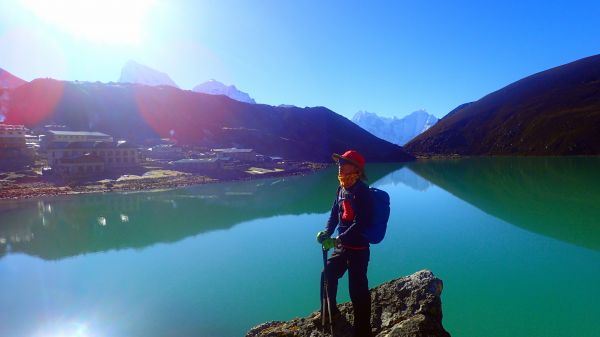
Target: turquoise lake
{"x":516,"y":242}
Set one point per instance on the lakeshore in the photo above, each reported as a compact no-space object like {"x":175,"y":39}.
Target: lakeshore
{"x":31,"y":183}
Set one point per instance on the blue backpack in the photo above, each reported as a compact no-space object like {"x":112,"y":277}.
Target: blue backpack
{"x":381,"y":214}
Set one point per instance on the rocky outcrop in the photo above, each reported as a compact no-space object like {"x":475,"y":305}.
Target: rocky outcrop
{"x":406,"y":307}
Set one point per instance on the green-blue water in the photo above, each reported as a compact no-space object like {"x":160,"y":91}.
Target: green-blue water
{"x":515,"y":240}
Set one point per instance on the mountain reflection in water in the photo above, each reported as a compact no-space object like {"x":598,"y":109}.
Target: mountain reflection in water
{"x":557,"y":197}
{"x":65,"y":226}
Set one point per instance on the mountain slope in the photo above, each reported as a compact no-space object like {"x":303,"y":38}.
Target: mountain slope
{"x":395,"y":130}
{"x":554,"y":112}
{"x":214,"y":87}
{"x":139,"y":112}
{"x":133,"y":72}
{"x":9,"y":81}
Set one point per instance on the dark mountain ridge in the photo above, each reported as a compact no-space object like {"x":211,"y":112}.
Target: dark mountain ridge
{"x":138,"y":112}
{"x":553,"y":112}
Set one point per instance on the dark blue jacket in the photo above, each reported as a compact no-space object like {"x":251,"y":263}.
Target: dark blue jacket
{"x":351,"y":233}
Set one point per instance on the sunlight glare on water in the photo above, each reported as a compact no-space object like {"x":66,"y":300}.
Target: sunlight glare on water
{"x":67,"y":329}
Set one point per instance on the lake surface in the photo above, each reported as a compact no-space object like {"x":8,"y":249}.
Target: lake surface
{"x":515,"y":240}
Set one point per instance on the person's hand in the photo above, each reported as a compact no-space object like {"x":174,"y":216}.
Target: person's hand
{"x":321,"y":236}
{"x":329,"y":243}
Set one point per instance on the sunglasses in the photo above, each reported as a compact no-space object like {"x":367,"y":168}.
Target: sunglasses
{"x":342,"y":161}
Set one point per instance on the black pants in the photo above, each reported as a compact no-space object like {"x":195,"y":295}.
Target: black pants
{"x":356,"y":262}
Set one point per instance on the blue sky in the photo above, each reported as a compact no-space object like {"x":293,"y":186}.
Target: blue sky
{"x":390,"y":57}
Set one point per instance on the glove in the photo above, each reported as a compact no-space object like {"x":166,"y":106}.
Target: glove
{"x":321,"y":236}
{"x":329,"y":243}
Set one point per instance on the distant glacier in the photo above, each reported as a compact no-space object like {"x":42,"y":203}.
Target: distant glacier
{"x":395,"y":130}
{"x":214,"y":87}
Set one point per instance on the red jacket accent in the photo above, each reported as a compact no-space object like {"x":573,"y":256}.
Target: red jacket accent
{"x":348,"y":214}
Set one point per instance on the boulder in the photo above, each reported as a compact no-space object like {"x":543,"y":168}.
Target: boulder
{"x":406,"y":307}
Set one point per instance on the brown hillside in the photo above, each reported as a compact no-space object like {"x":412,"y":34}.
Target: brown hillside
{"x":554,"y":112}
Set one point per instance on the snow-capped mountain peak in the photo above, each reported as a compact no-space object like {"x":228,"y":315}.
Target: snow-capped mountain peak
{"x":395,"y":130}
{"x":133,"y":72}
{"x":214,"y":87}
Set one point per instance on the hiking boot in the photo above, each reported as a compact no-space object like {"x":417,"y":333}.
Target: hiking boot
{"x":335,"y":314}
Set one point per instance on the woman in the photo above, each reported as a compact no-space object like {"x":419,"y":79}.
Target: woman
{"x":351,"y":213}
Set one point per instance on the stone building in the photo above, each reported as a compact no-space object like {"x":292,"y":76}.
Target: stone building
{"x":62,"y":157}
{"x":12,"y":136}
{"x":81,"y":165}
{"x":14,"y":150}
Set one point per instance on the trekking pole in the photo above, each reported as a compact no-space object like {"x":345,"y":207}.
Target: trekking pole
{"x":326,"y":296}
{"x":323,"y":300}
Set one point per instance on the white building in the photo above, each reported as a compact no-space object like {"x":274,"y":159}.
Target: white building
{"x":203,"y":164}
{"x":54,"y":137}
{"x":247,"y":155}
{"x":165,"y":152}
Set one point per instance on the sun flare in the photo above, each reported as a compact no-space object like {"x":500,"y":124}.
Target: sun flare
{"x":106,"y":21}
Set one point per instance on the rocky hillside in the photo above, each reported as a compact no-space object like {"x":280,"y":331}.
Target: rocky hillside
{"x":140,"y":112}
{"x":406,"y":307}
{"x":554,"y":112}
